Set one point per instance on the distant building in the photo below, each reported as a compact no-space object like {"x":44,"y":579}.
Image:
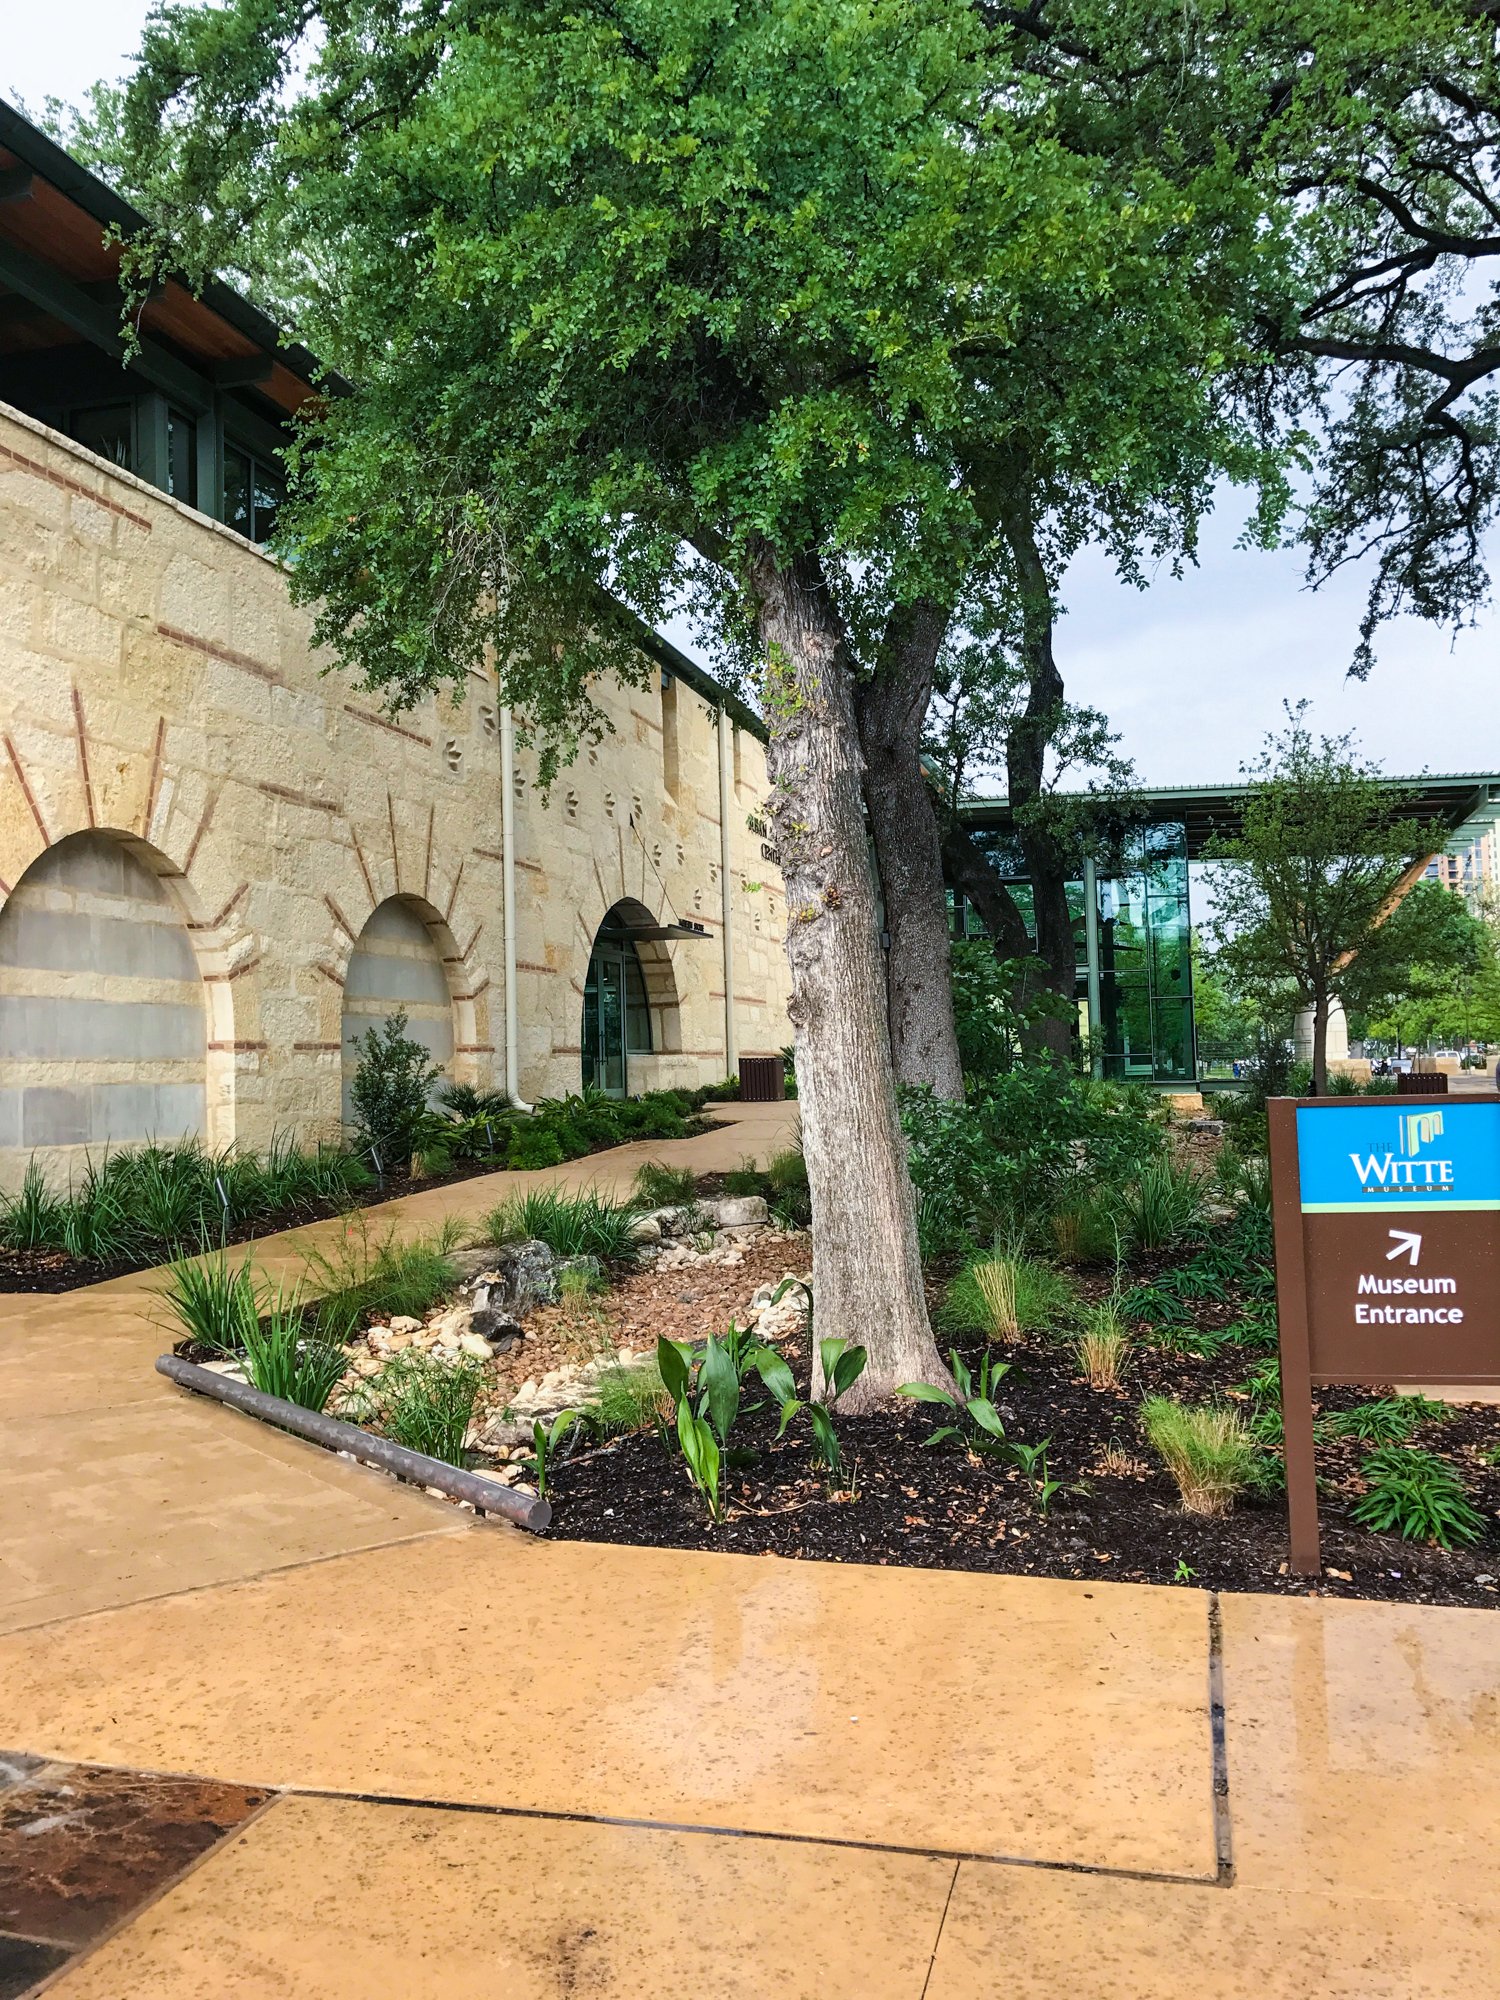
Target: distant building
{"x":1469,"y":869}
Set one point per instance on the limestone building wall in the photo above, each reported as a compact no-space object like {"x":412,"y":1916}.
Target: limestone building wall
{"x":245,"y":817}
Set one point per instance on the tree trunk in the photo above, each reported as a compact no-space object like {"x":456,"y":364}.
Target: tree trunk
{"x":891,"y":709}
{"x":867,"y":1275}
{"x":1320,"y":1045}
{"x":1047,"y":864}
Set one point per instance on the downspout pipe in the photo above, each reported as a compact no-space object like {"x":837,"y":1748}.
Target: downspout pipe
{"x":726,"y":798}
{"x":508,"y":897}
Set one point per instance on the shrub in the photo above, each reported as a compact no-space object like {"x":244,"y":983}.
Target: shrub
{"x":1207,"y":1449}
{"x":532,"y":1147}
{"x":1102,"y":1347}
{"x":464,"y":1102}
{"x":281,"y":1359}
{"x":392,"y":1084}
{"x":1163,"y":1206}
{"x":571,"y":1225}
{"x":427,"y":1405}
{"x":1418,"y":1496}
{"x":657,"y":1186}
{"x":1001,"y":1296}
{"x":218,"y":1303}
{"x":745,"y":1179}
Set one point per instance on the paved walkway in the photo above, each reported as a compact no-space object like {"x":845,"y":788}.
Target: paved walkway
{"x":477,"y":1764}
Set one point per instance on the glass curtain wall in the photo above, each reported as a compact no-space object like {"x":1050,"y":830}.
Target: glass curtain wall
{"x":1144,"y":1032}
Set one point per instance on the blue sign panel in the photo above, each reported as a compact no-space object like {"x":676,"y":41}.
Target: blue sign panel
{"x":1367,"y":1159}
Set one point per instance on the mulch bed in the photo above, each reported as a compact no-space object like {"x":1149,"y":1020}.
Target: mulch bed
{"x":940,"y":1508}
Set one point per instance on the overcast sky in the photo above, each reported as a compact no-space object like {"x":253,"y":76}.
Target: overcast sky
{"x":1193,"y":673}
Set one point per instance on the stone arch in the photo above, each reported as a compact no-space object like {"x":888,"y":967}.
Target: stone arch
{"x":406,"y":956}
{"x":652,"y":1016}
{"x":116,"y":1013}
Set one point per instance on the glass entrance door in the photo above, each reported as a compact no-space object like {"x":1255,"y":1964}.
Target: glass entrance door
{"x":616,"y":1017}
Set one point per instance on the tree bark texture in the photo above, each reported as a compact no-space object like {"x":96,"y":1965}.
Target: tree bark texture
{"x":867,"y":1274}
{"x":1320,"y":1045}
{"x":1025,"y":765}
{"x":891,"y":709}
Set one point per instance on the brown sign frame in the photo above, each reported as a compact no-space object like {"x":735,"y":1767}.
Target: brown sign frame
{"x":1295,"y":1303}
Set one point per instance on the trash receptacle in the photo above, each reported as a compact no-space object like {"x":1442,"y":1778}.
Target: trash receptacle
{"x":762,"y":1079}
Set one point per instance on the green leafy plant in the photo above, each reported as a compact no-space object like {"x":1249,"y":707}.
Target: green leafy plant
{"x":790,"y":1200}
{"x":1208,"y":1449}
{"x":630,"y":1397}
{"x":571,"y":1225}
{"x":32,"y":1217}
{"x":364,"y":1277}
{"x":545,"y":1440}
{"x":1085,"y":1228}
{"x":657,"y":1186}
{"x":979,"y":1428}
{"x":745,"y":1179}
{"x":428,"y":1405}
{"x":705,"y":1389}
{"x":842,"y":1365}
{"x":1165,"y":1205}
{"x":1385,"y":1420}
{"x":1184,"y":1571}
{"x":391,"y":1090}
{"x":1417,"y":1495}
{"x":218,"y":1303}
{"x":1032,"y":1459}
{"x":286,"y":1357}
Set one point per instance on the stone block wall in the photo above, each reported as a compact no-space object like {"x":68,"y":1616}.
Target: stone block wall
{"x":158,"y":694}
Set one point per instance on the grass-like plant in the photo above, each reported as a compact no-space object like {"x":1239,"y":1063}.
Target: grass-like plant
{"x":365,"y":1277}
{"x":1085,"y":1229}
{"x":745,"y":1179}
{"x":790,"y":1199}
{"x":571,"y":1225}
{"x":657,"y":1186}
{"x":31,"y":1218}
{"x":631,"y":1397}
{"x":286,"y":1356}
{"x":1165,"y":1205}
{"x":217,"y":1302}
{"x":425,"y":1404}
{"x":1003,"y":1296}
{"x":1102,"y":1346}
{"x":1207,"y":1448}
{"x":1385,"y":1420}
{"x":1417,"y":1495}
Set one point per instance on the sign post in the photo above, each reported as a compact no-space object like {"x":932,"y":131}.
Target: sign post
{"x":1387,"y":1221}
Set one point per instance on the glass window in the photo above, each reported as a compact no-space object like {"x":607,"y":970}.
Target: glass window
{"x":108,"y":430}
{"x":182,"y":458}
{"x":236,"y":490}
{"x":267,"y":491}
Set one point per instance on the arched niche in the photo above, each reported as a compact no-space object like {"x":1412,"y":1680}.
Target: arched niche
{"x":398,"y":962}
{"x":630,"y":1003}
{"x":105,"y":1025}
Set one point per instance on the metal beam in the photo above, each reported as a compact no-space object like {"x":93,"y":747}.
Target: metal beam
{"x":70,"y":304}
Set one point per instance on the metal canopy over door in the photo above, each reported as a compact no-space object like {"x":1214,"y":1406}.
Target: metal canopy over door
{"x":616,"y":1017}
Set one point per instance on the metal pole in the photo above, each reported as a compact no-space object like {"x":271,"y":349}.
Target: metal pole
{"x":508,"y":894}
{"x":726,"y":797}
{"x":486,"y":1495}
{"x":1293,"y":1339}
{"x":1091,"y":953}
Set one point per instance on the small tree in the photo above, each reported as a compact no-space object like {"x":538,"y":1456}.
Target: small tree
{"x":391,"y":1089}
{"x":1303,"y":895}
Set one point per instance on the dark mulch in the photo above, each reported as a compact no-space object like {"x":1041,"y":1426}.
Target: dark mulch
{"x":940,"y":1508}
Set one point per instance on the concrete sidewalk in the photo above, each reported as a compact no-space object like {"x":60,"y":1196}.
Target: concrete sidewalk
{"x":473,"y":1763}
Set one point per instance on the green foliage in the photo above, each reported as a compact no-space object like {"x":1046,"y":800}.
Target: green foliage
{"x":841,"y":1365}
{"x":286,"y":1357}
{"x":1207,"y":1448}
{"x":545,"y":1440}
{"x":423,"y":1403}
{"x":1102,"y":1346}
{"x":365,"y":1277}
{"x":1086,"y":1225}
{"x":1164,"y":1206}
{"x":1302,"y":904}
{"x":997,"y":1004}
{"x":32,"y":1217}
{"x":790,"y":1199}
{"x":1417,"y":1495}
{"x":657,"y":1186}
{"x":572,"y":1225}
{"x":217,"y":1303}
{"x":1019,"y":1148}
{"x":746,"y":1179}
{"x":1003,"y":1296}
{"x":630,"y":1398}
{"x":1385,"y":1420}
{"x":391,"y":1091}
{"x":978,"y":1427}
{"x":564,"y":1128}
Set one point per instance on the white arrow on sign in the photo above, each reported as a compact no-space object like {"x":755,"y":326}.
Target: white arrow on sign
{"x":1405,"y":1245}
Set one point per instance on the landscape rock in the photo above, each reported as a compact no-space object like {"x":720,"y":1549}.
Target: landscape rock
{"x":475,"y":1345}
{"x":525,"y":1277}
{"x":645,"y":1229}
{"x":475,"y":1262}
{"x":404,"y":1323}
{"x":742,"y":1211}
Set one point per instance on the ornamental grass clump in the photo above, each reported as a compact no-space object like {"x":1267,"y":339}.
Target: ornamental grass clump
{"x":1004,"y":1297}
{"x":1165,"y":1205}
{"x":1102,"y":1347}
{"x":286,"y":1356}
{"x":1417,"y":1495}
{"x":571,"y":1225}
{"x":1207,"y":1448}
{"x":218,"y":1303}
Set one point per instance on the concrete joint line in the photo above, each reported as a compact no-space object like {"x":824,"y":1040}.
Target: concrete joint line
{"x":1218,"y":1736}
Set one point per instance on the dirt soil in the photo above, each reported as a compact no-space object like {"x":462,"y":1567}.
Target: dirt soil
{"x":1116,"y":1514}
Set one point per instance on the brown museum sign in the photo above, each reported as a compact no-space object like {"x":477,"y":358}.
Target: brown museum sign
{"x":1387,"y":1257}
